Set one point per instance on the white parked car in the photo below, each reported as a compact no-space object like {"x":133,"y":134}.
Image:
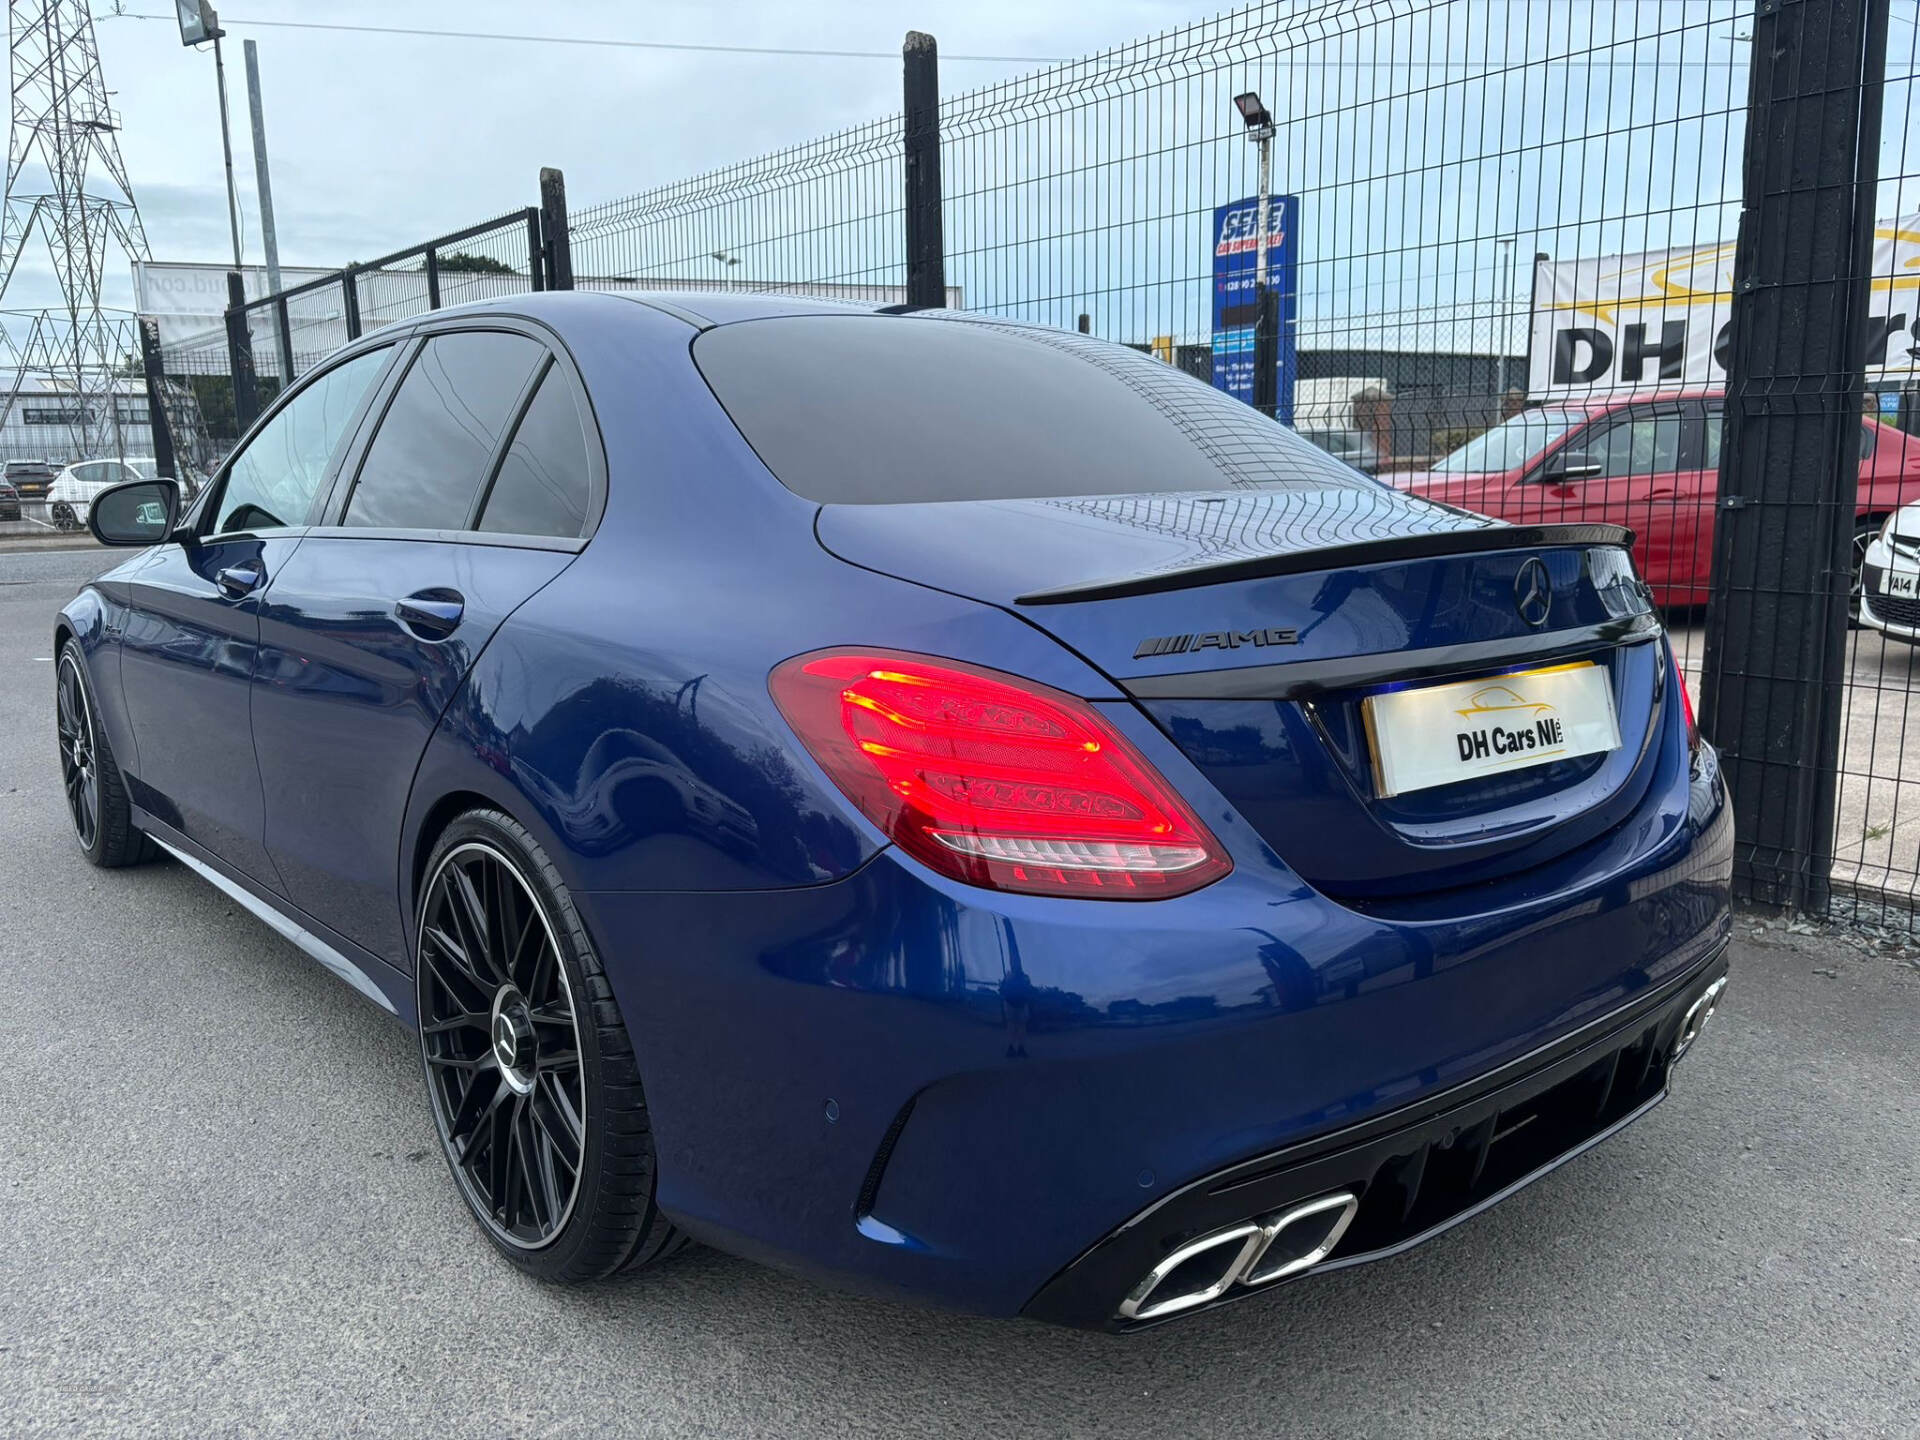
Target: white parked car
{"x":70,"y":496}
{"x":1890,"y":577}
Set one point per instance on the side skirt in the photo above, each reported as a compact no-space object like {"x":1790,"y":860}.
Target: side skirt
{"x":373,"y":978}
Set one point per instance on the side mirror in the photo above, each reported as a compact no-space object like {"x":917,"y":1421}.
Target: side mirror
{"x":135,"y":512}
{"x":1572,"y":465}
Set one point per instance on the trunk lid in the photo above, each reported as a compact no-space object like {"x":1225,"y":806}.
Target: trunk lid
{"x":1253,"y":626}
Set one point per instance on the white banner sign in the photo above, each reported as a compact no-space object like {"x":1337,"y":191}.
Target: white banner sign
{"x":1659,"y":318}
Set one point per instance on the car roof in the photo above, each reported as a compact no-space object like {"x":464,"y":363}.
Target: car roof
{"x":1601,"y":402}
{"x":701,"y":309}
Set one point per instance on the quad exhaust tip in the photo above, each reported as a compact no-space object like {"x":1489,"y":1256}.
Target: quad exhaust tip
{"x":1254,"y":1252}
{"x":1695,"y":1020}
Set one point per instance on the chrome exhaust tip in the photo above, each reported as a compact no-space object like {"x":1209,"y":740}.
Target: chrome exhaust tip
{"x":1255,"y":1252}
{"x":1197,"y":1272}
{"x":1695,"y":1020}
{"x":1300,"y":1238}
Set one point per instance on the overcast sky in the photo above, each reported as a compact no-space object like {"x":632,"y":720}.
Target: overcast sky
{"x":377,"y":141}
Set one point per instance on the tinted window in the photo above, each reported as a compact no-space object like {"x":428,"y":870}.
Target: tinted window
{"x":272,"y":482}
{"x":429,"y":457}
{"x":543,"y":481}
{"x":1646,"y":445}
{"x":866,"y":409}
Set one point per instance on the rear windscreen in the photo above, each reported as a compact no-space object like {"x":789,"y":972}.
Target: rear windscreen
{"x":885,"y":409}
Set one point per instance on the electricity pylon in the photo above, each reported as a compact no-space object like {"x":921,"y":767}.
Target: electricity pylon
{"x":67,"y":184}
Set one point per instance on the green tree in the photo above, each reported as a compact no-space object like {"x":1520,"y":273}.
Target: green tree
{"x":473,"y":264}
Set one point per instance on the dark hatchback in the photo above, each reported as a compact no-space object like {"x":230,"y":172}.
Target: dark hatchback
{"x":29,"y":477}
{"x":958,"y":808}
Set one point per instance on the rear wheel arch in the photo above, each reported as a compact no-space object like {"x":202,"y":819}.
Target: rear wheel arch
{"x":442,"y":813}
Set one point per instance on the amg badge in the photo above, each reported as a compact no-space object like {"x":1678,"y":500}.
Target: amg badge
{"x":1214,"y":640}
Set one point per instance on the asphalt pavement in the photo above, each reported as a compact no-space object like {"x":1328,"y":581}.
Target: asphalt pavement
{"x":221,"y":1213}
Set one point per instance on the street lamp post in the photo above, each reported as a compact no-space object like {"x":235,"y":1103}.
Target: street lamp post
{"x":199,"y":24}
{"x":1266,"y":377}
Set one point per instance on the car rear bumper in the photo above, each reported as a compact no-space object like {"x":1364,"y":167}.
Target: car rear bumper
{"x":1404,"y":1177}
{"x":921,"y":1090}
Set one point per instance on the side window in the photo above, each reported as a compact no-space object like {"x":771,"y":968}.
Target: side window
{"x":1644,"y":445}
{"x":1716,"y":424}
{"x":543,"y":484}
{"x":429,"y":457}
{"x":272,"y":482}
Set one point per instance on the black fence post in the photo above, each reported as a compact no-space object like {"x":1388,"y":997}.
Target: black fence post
{"x":433,"y":278}
{"x":246,"y":394}
{"x":286,"y":340}
{"x":539,"y":259}
{"x":926,"y":244}
{"x":553,"y":226}
{"x":1266,"y":352}
{"x":1773,"y":697}
{"x":350,"y":302}
{"x":156,"y":372}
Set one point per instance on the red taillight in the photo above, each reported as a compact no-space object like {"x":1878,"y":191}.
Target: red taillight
{"x":995,"y":780}
{"x":1686,"y":700}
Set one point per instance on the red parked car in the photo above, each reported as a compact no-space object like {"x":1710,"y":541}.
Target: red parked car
{"x":1649,"y":462}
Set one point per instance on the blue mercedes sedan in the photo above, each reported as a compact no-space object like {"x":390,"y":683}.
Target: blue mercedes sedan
{"x":960,"y":809}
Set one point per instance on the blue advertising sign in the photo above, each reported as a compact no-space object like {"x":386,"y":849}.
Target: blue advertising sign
{"x":1235,"y":305}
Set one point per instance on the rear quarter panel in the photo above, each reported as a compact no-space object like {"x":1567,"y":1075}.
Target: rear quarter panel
{"x":623,"y":713}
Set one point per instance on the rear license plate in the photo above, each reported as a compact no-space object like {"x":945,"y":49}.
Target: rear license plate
{"x":1903,"y":583}
{"x":1440,"y":734}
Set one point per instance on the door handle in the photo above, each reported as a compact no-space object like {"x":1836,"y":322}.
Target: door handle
{"x":238,"y":580}
{"x":431,"y":614}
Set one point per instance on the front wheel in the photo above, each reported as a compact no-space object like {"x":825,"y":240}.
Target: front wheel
{"x":96,"y":795}
{"x":530,"y":1072}
{"x":1863,"y":535}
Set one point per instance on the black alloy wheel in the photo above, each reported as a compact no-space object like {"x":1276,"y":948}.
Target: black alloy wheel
{"x":79,"y":756}
{"x":500,"y":1036}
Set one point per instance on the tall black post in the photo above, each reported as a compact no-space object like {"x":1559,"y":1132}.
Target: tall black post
{"x":926,"y":244}
{"x":557,"y":247}
{"x":1266,"y":351}
{"x":156,"y":372}
{"x":285,"y":331}
{"x":246,"y":394}
{"x":1773,"y":694}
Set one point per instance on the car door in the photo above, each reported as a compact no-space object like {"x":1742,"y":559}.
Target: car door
{"x":193,"y":624}
{"x":1632,"y":472}
{"x":1687,"y":575}
{"x":476,"y":488}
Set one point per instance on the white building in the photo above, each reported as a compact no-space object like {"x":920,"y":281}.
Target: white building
{"x":44,"y":420}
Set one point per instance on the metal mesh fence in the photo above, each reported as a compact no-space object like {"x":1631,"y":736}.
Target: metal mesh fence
{"x":823,"y":219}
{"x":1877,"y":795}
{"x":288,"y":334}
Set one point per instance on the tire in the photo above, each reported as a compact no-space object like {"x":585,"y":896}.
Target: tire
{"x":96,"y":794}
{"x":500,"y":953}
{"x":1863,"y":534}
